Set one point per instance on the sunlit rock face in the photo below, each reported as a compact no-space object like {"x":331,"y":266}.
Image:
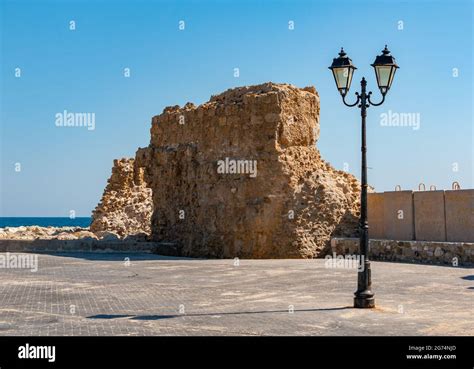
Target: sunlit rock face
{"x":240,"y":176}
{"x":126,"y":205}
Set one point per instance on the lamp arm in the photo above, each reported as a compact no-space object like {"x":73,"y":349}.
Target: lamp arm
{"x":351,"y":105}
{"x":375,"y":104}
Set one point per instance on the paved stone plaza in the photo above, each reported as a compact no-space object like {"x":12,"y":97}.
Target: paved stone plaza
{"x":105,"y":294}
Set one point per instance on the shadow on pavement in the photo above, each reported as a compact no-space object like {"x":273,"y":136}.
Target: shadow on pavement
{"x":469,"y":278}
{"x":158,"y":317}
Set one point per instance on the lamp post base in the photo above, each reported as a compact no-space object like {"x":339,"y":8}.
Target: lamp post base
{"x":364,"y":302}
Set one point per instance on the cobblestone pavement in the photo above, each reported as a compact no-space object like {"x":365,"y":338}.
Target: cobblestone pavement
{"x":108,"y":294}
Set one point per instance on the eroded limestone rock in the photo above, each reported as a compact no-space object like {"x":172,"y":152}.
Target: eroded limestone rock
{"x":289,"y":209}
{"x":126,"y":205}
{"x":45,"y":233}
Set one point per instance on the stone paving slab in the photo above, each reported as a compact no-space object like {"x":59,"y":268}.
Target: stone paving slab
{"x":107,"y":294}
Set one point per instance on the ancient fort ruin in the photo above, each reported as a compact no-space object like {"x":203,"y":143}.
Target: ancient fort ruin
{"x":238,"y":176}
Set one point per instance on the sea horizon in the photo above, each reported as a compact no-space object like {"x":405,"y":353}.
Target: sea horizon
{"x":45,"y":221}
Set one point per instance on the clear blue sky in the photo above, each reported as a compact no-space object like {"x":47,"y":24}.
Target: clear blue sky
{"x":65,"y":169}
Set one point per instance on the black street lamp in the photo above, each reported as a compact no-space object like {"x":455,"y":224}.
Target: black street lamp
{"x":342,"y":69}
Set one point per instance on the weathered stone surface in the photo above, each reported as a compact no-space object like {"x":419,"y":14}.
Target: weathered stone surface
{"x":45,"y":233}
{"x":427,"y":252}
{"x":86,"y":244}
{"x":126,"y":205}
{"x":289,"y":207}
{"x":108,"y":236}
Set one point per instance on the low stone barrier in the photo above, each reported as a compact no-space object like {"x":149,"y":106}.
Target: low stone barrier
{"x":426,"y":252}
{"x":87,"y":245}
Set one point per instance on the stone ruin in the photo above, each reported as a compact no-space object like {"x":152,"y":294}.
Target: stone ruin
{"x":238,"y":176}
{"x":126,"y":205}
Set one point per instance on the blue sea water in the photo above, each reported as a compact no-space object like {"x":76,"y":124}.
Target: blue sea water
{"x":45,"y":221}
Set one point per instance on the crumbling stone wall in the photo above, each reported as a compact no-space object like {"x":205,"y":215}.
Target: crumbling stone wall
{"x":427,"y":252}
{"x":289,"y":207}
{"x":126,"y":205}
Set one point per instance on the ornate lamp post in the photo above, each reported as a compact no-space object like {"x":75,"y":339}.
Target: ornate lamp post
{"x":342,"y":69}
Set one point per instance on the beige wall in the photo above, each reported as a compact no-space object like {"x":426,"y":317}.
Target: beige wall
{"x":422,"y":215}
{"x":375,"y":215}
{"x":398,"y":215}
{"x":459,"y":215}
{"x":430,"y":222}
